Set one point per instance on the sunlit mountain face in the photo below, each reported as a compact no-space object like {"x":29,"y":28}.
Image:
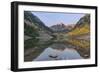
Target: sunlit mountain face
{"x":62,"y":27}
{"x":56,"y":41}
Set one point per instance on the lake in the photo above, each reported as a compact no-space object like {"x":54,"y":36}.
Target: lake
{"x":55,"y":51}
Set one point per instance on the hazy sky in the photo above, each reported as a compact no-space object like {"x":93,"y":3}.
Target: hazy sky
{"x":55,"y":18}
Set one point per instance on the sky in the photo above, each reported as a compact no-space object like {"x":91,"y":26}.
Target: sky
{"x":53,"y":18}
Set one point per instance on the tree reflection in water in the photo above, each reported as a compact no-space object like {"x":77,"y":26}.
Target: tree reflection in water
{"x":49,"y":50}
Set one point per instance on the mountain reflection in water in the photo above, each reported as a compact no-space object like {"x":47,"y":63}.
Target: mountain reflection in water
{"x":55,"y":51}
{"x":56,"y":54}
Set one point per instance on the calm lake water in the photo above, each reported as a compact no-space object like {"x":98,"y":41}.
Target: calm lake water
{"x":56,"y":51}
{"x":55,"y":54}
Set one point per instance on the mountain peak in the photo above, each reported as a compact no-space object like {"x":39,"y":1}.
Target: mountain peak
{"x":62,"y":27}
